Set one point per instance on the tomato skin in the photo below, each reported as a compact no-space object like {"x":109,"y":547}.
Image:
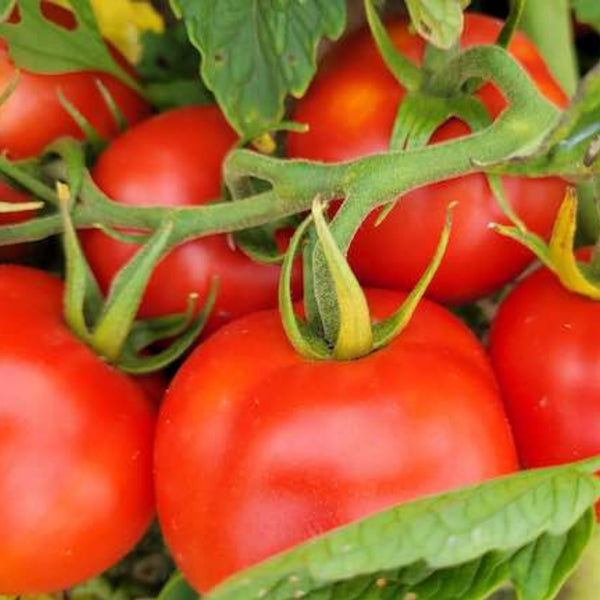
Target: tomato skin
{"x":258,"y":449}
{"x":75,"y":446}
{"x":544,"y":348}
{"x":33,"y":116}
{"x":175,"y":159}
{"x":350,"y":109}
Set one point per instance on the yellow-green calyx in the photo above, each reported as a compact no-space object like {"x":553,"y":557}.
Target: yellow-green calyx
{"x":558,"y":254}
{"x":356,"y":335}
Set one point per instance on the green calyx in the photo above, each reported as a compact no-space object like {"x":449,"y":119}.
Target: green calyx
{"x":108,"y":325}
{"x":558,"y":255}
{"x":355,"y":334}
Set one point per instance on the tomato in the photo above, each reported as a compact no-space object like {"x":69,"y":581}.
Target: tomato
{"x":154,"y":386}
{"x":33,"y":116}
{"x":175,"y":159}
{"x":544,"y":348}
{"x":350,"y":109}
{"x":259,"y":449}
{"x":75,"y":446}
{"x":9,"y":194}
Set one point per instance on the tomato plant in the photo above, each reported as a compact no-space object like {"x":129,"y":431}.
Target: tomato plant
{"x":258,"y":449}
{"x":352,"y":429}
{"x":175,"y":159}
{"x":75,"y":446}
{"x":350,"y":109}
{"x":33,"y":115}
{"x":544,"y":349}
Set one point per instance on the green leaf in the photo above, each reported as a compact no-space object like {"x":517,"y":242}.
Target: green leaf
{"x":440,"y":22}
{"x":169,"y":68}
{"x":529,"y":528}
{"x":587,"y":11}
{"x":98,"y":588}
{"x":255,"y":52}
{"x":585,"y":582}
{"x":167,"y":56}
{"x":165,"y":95}
{"x":177,"y":588}
{"x":41,"y":46}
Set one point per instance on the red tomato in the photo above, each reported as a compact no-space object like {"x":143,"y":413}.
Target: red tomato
{"x":33,"y":116}
{"x":175,"y":159}
{"x":544,"y":347}
{"x":75,"y":446}
{"x":9,"y":194}
{"x":350,"y":109}
{"x":154,"y":385}
{"x":259,"y":449}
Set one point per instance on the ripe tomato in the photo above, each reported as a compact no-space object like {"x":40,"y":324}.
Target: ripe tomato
{"x":33,"y":116}
{"x":258,"y":449}
{"x":75,"y":446}
{"x":544,"y":347}
{"x":175,"y":159}
{"x":350,"y":109}
{"x":9,"y":194}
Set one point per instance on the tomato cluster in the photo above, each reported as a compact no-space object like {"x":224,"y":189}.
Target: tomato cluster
{"x":256,"y":448}
{"x":350,"y":109}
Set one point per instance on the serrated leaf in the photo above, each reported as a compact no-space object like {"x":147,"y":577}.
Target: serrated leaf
{"x":529,"y":528}
{"x":168,"y":56}
{"x":440,"y":22}
{"x":169,"y":68}
{"x":166,"y":95}
{"x":41,"y":46}
{"x":124,"y":22}
{"x":587,"y":11}
{"x":256,"y":52}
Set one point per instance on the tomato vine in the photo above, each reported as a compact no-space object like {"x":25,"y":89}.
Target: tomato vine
{"x":530,"y":138}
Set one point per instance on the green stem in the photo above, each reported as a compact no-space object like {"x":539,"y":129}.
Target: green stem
{"x":368,"y":182}
{"x":385,"y":177}
{"x":548,"y":24}
{"x":189,"y":222}
{"x":512,"y":23}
